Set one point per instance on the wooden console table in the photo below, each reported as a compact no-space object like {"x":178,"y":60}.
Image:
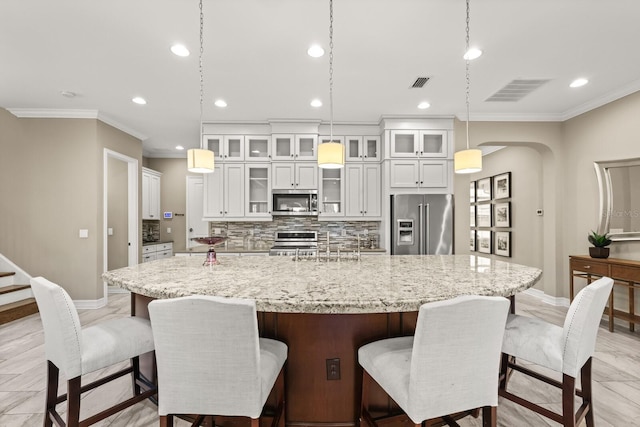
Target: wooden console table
{"x":623,"y":272}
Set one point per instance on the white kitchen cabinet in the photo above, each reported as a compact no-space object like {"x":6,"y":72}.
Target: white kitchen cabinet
{"x":331,"y":193}
{"x":362,"y":148}
{"x":295,"y":175}
{"x":225,"y":147}
{"x":157,"y":251}
{"x":419,"y":174}
{"x":294,"y":147}
{"x":258,"y":148}
{"x":419,"y":144}
{"x":363,"y":190}
{"x":258,"y":190}
{"x":224,"y":192}
{"x":150,"y":194}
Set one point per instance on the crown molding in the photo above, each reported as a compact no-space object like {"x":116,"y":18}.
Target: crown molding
{"x":53,"y":113}
{"x":511,"y":117}
{"x":600,"y":101}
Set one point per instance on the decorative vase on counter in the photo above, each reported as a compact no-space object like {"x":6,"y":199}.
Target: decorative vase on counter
{"x":596,"y":252}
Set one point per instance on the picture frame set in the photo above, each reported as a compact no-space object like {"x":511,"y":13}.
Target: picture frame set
{"x":490,"y":215}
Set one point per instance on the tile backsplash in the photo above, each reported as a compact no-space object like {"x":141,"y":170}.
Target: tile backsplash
{"x":150,"y":231}
{"x":343,"y":234}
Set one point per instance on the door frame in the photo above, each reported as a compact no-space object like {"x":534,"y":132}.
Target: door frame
{"x":132,"y":211}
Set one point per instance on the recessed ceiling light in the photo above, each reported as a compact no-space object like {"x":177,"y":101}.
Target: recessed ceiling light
{"x":68,"y":94}
{"x":220,"y":103}
{"x":315,"y":51}
{"x":579,"y":82}
{"x":179,"y":50}
{"x":424,"y":105}
{"x":472,"y":54}
{"x":139,"y":100}
{"x":316,"y":103}
{"x":179,"y":147}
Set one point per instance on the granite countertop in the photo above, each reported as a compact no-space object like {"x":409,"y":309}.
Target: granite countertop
{"x":377,"y":284}
{"x":220,"y":249}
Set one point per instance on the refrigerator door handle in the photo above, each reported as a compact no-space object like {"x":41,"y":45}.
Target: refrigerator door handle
{"x":420,"y":225}
{"x":426,"y":226}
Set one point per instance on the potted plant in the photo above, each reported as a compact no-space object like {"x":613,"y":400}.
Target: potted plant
{"x":600,"y":243}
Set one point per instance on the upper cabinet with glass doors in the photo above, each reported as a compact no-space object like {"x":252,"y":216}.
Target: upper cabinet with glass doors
{"x":294,"y":147}
{"x":225,"y":147}
{"x":258,"y":148}
{"x":424,"y":143}
{"x":362,"y":148}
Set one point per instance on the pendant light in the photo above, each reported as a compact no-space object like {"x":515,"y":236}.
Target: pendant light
{"x":331,"y":154}
{"x":200,"y":160}
{"x":469,"y":160}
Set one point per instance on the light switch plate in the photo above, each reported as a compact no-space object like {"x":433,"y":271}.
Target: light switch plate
{"x":84,"y":233}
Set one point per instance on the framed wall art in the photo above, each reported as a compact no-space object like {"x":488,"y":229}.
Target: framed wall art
{"x":502,"y":243}
{"x":502,"y":214}
{"x":502,"y":186}
{"x":472,"y":240}
{"x":483,"y":190}
{"x":483,"y":215}
{"x":484,"y":241}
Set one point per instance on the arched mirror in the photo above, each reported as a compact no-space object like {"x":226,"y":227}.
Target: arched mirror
{"x":619,"y":186}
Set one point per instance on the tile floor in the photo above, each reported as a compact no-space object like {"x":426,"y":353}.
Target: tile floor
{"x":616,"y":373}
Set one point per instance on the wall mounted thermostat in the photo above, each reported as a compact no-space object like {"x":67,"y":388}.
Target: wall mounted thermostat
{"x":168,"y":215}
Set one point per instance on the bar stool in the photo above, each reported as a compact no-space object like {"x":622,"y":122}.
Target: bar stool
{"x":567,"y":350}
{"x":77,"y":351}
{"x":211,"y":361}
{"x":450,"y":366}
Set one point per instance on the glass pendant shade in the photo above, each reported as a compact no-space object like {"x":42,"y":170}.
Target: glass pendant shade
{"x":331,"y":155}
{"x":468,"y":161}
{"x":200,"y":161}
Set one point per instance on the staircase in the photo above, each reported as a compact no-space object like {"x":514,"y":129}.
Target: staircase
{"x":16,"y":299}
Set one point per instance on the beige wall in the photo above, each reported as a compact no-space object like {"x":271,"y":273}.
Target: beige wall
{"x":51,"y":187}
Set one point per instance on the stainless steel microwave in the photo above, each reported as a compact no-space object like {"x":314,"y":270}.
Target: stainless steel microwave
{"x":294,"y":202}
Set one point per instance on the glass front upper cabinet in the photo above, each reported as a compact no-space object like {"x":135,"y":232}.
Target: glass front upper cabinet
{"x":258,"y":184}
{"x":413,"y":143}
{"x":365,"y":148}
{"x":258,"y":148}
{"x":332,"y":192}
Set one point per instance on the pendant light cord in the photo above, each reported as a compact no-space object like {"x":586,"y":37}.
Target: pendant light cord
{"x":468,"y":78}
{"x":331,"y":70}
{"x":201,"y":68}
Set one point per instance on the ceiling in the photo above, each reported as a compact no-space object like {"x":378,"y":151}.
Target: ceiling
{"x":108,"y":51}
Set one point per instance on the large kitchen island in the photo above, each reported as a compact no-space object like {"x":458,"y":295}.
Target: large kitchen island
{"x":324,"y":311}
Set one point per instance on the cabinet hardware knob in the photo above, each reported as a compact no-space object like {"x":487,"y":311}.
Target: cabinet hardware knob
{"x":365,"y":212}
{"x":292,"y":155}
{"x":421,"y":153}
{"x":416,"y":182}
{"x":220,"y":212}
{"x":365,"y":156}
{"x":421,"y":182}
{"x":416,"y":153}
{"x":225,"y":212}
{"x":587,"y":266}
{"x":190,"y":230}
{"x":292,"y":184}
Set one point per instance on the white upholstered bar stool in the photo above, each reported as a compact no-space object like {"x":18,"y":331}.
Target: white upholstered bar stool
{"x":450,"y":365}
{"x":77,"y":351}
{"x":211,"y":361}
{"x":567,"y":350}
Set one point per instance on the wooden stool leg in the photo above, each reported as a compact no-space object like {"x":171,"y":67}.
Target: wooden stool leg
{"x":568,"y":407}
{"x":73,"y":402}
{"x":166,"y":420}
{"x":489,"y":416}
{"x":255,"y":422}
{"x":135,"y":375}
{"x":585,"y":379}
{"x":52,"y":392}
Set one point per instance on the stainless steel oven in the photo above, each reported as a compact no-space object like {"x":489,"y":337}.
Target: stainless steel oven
{"x":295,"y":202}
{"x":291,"y":243}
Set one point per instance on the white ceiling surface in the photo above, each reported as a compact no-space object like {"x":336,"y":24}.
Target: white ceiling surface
{"x":108,"y":51}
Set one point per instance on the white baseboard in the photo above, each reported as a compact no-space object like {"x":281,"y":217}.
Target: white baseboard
{"x":117,"y":290}
{"x":548,"y":299}
{"x":90,"y":303}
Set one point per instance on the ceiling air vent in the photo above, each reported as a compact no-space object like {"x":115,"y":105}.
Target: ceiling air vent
{"x":516,"y":90}
{"x":420,"y":82}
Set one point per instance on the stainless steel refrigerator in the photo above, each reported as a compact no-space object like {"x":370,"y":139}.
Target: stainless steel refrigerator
{"x":422,"y":224}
